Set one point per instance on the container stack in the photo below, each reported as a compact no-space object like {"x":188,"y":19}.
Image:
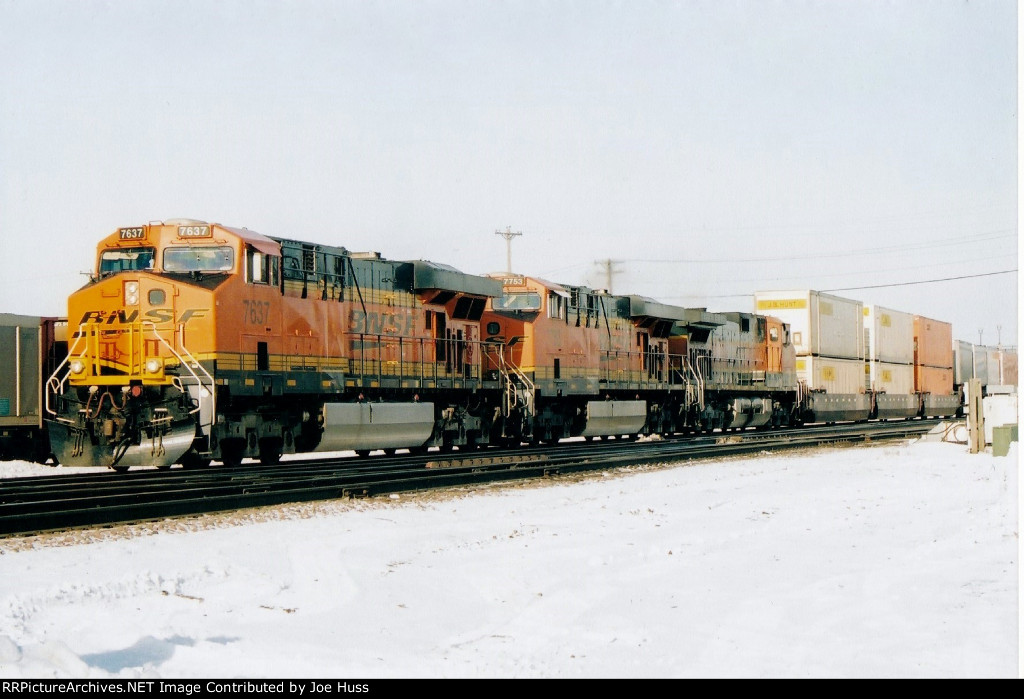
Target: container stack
{"x":828,"y":335}
{"x":889,"y":361}
{"x":992,"y":366}
{"x":933,"y":364}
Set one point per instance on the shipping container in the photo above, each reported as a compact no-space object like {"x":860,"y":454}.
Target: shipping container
{"x":933,"y":342}
{"x":890,"y":378}
{"x":1009,"y":367}
{"x":994,"y":366}
{"x":935,"y":380}
{"x":981,"y":365}
{"x":820,"y":324}
{"x":888,"y":335}
{"x":836,"y":376}
{"x":963,"y":362}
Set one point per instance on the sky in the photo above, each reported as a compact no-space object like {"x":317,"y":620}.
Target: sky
{"x":699,"y":150}
{"x":896,"y":560}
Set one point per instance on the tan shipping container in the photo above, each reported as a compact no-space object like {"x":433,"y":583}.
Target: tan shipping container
{"x":1009,"y":363}
{"x":888,"y":335}
{"x":820,"y":324}
{"x":935,"y":380}
{"x":933,"y":343}
{"x":890,"y":378}
{"x":836,"y":376}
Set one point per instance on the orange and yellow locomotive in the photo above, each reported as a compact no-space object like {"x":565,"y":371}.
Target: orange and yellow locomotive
{"x":195,"y":341}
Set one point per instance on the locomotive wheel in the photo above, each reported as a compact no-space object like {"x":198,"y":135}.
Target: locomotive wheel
{"x":192,"y":460}
{"x":270,"y":451}
{"x":231,"y":451}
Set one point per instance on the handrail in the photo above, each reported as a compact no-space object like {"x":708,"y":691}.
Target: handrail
{"x":58,"y":388}
{"x":181,"y":360}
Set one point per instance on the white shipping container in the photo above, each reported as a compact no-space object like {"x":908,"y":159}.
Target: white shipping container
{"x":820,"y":324}
{"x":963,"y":362}
{"x":838,"y":376}
{"x":891,"y":378}
{"x":994,"y":371}
{"x":986,"y":365}
{"x":889,"y":335}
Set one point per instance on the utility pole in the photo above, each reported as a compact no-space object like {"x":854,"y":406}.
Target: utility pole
{"x":508,"y":235}
{"x":609,"y":271}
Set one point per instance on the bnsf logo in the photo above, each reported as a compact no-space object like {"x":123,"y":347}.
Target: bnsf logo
{"x":154,"y":315}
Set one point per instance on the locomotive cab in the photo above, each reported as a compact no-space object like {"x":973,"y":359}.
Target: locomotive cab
{"x":133,"y":389}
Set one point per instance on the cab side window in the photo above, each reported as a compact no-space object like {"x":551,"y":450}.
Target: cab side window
{"x":261,"y":268}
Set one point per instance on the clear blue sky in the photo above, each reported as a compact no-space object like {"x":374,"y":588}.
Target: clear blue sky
{"x":711,"y":148}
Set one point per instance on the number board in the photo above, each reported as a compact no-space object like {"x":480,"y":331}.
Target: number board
{"x":134,"y":233}
{"x":194,"y":232}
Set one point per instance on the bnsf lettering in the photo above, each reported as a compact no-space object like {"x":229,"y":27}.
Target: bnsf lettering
{"x":113,"y":317}
{"x":153,"y":315}
{"x":376,"y":323}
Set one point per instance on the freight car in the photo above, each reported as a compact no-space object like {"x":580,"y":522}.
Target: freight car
{"x":31,"y":347}
{"x":861,"y":362}
{"x":195,"y":341}
{"x":992,"y":366}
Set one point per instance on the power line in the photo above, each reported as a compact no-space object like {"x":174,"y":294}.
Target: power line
{"x":848,"y":288}
{"x":925,"y":281}
{"x":958,"y":240}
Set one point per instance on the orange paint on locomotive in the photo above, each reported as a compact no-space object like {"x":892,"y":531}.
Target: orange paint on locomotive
{"x":135,"y":322}
{"x":549,"y":337}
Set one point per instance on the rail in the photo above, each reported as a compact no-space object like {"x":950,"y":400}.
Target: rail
{"x":60,"y":502}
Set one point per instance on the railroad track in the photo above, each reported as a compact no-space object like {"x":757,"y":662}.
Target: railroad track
{"x":53,"y":503}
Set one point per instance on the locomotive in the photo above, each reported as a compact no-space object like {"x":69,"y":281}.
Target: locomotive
{"x":196,"y":341}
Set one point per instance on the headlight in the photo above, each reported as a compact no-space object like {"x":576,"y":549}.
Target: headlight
{"x":131,"y":293}
{"x":153,"y":365}
{"x":77,"y":366}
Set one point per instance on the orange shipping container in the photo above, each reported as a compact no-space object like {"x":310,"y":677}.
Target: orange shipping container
{"x":935,"y":380}
{"x":933,"y":343}
{"x":1009,"y":377}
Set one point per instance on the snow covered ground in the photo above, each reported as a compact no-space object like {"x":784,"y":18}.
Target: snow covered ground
{"x":897,"y":560}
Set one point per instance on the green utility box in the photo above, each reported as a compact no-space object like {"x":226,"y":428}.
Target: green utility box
{"x":1001,"y":438}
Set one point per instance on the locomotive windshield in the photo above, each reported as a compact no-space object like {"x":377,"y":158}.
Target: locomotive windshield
{"x":204,"y":259}
{"x":517,"y":301}
{"x":126,"y":260}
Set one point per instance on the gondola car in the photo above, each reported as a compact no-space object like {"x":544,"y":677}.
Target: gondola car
{"x":31,"y":347}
